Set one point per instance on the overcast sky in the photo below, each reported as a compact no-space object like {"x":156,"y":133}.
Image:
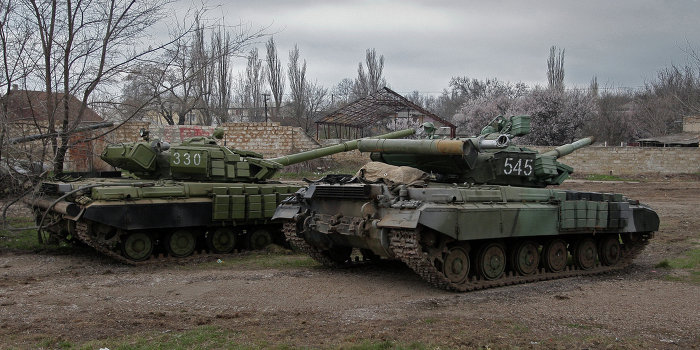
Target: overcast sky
{"x":425,"y":43}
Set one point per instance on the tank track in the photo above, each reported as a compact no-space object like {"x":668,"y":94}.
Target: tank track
{"x":82,"y":231}
{"x":405,"y":245}
{"x":299,"y":244}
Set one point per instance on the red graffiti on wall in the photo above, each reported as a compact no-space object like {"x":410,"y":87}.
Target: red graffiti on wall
{"x":186,"y":132}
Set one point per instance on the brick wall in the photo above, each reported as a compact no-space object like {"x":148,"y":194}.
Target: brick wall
{"x":270,"y":139}
{"x":691,"y":124}
{"x":632,"y":160}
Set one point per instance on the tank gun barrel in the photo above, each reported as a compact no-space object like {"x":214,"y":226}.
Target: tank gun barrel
{"x":432,"y":147}
{"x":570,"y":147}
{"x":341,"y":147}
{"x":46,"y":136}
{"x":436,"y":147}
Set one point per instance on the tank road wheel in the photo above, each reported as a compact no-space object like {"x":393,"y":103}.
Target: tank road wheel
{"x":491,"y":261}
{"x":259,"y":239}
{"x":609,"y":250}
{"x":456,"y":265}
{"x":221,"y":240}
{"x":526,"y":259}
{"x":137,"y":246}
{"x":555,"y":255}
{"x":181,"y":243}
{"x":585,"y":253}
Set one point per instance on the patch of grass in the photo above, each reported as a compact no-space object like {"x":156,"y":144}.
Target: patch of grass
{"x":19,"y":239}
{"x":264,"y":260}
{"x":383,"y":345}
{"x":690,"y":261}
{"x":603,"y":177}
{"x":581,"y":326}
{"x":520,"y":328}
{"x":206,"y":337}
{"x":663,"y":264}
{"x":689,"y":264}
{"x":55,"y":343}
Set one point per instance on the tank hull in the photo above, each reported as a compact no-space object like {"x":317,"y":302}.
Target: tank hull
{"x":105,"y":213}
{"x":464,"y":237}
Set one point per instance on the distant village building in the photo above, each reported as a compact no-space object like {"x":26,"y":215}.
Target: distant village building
{"x":377,"y":113}
{"x":690,"y":137}
{"x":31,"y":112}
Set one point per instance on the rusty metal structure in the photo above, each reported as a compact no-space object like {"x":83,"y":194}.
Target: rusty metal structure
{"x":352,"y":120}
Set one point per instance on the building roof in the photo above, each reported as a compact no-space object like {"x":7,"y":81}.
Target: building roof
{"x":28,"y":105}
{"x":370,"y":109}
{"x":674,"y":140}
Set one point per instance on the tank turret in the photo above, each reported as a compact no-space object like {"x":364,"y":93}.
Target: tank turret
{"x":201,"y":158}
{"x":490,"y":158}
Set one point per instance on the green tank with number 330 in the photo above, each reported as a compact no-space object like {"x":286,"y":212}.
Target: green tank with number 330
{"x":468,"y":213}
{"x":196,"y":196}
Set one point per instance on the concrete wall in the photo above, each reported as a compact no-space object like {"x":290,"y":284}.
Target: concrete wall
{"x":691,"y":124}
{"x":633,"y":160}
{"x":270,"y":139}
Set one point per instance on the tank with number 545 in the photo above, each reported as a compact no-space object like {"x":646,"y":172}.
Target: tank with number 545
{"x":196,"y":196}
{"x":468,"y":213}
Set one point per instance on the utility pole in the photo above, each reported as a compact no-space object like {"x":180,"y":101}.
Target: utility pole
{"x":265,"y":96}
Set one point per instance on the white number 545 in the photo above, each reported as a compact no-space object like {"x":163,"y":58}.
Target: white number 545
{"x":517,"y":167}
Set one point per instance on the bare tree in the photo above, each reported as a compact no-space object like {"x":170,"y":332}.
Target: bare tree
{"x":660,"y":108}
{"x":297,"y":84}
{"x":254,"y":80}
{"x":593,"y":87}
{"x":275,"y":75}
{"x":555,"y":69}
{"x":371,"y":80}
{"x":15,"y":41}
{"x":193,"y":78}
{"x":614,"y":122}
{"x":316,"y":103}
{"x":82,"y":45}
{"x":342,"y":93}
{"x":250,"y":85}
{"x":557,"y":117}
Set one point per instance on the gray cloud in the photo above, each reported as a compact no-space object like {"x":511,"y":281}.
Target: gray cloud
{"x":427,"y":42}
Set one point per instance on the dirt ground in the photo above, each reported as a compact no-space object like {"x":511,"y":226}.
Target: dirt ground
{"x":84,"y":297}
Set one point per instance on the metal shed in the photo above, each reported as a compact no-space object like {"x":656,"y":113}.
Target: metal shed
{"x":353,"y":119}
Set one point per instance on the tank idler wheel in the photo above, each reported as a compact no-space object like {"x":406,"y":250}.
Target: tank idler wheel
{"x":137,"y":246}
{"x":456,"y":265}
{"x":555,"y":255}
{"x":259,"y":239}
{"x":609,"y":250}
{"x":339,"y":254}
{"x":526,"y":258}
{"x":491,"y":261}
{"x":181,"y":243}
{"x":221,"y":240}
{"x":585,"y":253}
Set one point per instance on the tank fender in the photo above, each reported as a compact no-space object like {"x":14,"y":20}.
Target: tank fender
{"x":441,"y":220}
{"x":286,"y":211}
{"x":399,"y":218}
